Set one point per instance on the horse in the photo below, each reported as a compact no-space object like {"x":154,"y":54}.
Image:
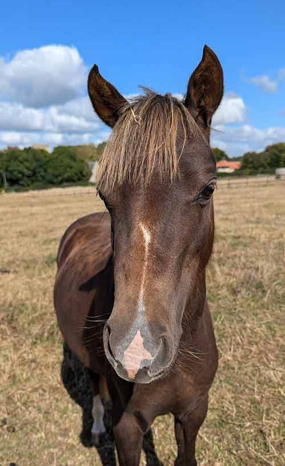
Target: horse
{"x":130,"y":290}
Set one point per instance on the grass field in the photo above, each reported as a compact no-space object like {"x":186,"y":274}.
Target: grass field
{"x":41,"y":424}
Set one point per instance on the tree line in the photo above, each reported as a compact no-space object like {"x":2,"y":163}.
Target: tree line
{"x":33,"y":168}
{"x":254,"y":163}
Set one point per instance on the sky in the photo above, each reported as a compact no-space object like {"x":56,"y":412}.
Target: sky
{"x":47,"y":49}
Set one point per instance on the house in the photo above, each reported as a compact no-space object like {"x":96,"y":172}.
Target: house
{"x":41,"y":147}
{"x":226,"y":166}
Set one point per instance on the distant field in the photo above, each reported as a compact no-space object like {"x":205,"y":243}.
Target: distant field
{"x":41,"y":424}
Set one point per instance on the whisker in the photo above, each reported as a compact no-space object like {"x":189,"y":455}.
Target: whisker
{"x":97,"y":318}
{"x":99,"y":321}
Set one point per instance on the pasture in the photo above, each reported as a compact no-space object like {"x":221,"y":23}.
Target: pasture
{"x":245,"y":426}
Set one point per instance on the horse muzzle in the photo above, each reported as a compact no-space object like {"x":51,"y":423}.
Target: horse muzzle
{"x":138,"y":357}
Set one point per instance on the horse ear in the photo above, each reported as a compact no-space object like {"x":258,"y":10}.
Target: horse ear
{"x":105,"y":98}
{"x":205,"y":88}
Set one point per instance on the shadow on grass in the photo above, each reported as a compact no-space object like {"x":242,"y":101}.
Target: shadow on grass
{"x":76,"y":381}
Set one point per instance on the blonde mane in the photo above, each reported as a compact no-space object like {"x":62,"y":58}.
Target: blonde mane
{"x":144,"y":141}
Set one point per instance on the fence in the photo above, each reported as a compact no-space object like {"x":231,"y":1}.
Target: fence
{"x":229,"y":182}
{"x":56,"y":192}
{"x":232,"y":182}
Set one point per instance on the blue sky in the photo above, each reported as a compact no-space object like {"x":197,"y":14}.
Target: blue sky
{"x":47,"y":49}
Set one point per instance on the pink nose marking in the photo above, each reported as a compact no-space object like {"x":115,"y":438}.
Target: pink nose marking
{"x":134,"y":355}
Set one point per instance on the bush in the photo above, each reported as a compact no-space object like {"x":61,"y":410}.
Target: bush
{"x":37,"y":169}
{"x":63,"y":166}
{"x":23,"y":167}
{"x":264,"y":162}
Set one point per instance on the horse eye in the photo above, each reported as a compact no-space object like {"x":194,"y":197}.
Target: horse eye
{"x":208,"y":191}
{"x":206,"y":194}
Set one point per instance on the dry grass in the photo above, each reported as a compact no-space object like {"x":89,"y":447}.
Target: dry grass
{"x":39,"y":423}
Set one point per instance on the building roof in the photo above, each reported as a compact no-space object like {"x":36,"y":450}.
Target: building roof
{"x":41,"y":147}
{"x":228,"y":164}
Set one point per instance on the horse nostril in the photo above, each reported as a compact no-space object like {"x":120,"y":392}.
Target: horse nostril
{"x":110,"y":349}
{"x":162,"y":359}
{"x":107,"y":333}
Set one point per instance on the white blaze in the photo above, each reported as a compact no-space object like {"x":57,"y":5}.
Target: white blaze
{"x":147,"y":238}
{"x":135,"y":354}
{"x":136,"y":351}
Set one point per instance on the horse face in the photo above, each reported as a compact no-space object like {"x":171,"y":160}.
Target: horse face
{"x":162,"y":241}
{"x":162,"y":235}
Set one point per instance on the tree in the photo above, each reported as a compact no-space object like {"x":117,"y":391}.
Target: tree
{"x":23,"y":167}
{"x":3,"y":168}
{"x":255,"y":162}
{"x":238,"y":158}
{"x":276,"y":155}
{"x":34,"y":168}
{"x":39,"y":160}
{"x":219,"y":154}
{"x":63,"y":166}
{"x":87,"y":152}
{"x":100,"y":148}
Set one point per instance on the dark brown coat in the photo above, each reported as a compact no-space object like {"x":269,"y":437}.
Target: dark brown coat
{"x":130,"y":292}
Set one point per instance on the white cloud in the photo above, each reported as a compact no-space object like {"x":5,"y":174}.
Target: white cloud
{"x":26,"y":139}
{"x":76,"y":122}
{"x":241,"y":139}
{"x":78,"y":116}
{"x":80,"y":107}
{"x":43,"y":100}
{"x":54,"y":119}
{"x":49,"y":75}
{"x":265,"y":83}
{"x":261,"y":136}
{"x":178,"y":96}
{"x":231,"y":110}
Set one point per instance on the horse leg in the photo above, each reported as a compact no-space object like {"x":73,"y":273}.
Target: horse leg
{"x":186,"y":430}
{"x":129,"y":439}
{"x":98,"y":384}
